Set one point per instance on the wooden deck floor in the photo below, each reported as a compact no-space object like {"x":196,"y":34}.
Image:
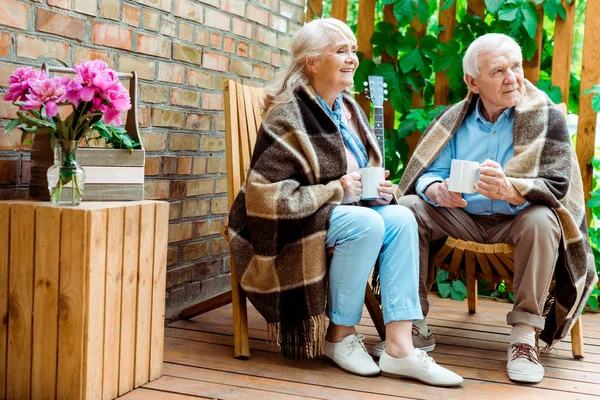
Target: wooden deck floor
{"x":199,"y":363}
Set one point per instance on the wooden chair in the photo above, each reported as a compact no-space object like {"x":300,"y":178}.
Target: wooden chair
{"x":494,"y":263}
{"x":242,"y":121}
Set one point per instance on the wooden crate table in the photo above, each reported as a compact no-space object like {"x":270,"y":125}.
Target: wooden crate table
{"x":82,"y":298}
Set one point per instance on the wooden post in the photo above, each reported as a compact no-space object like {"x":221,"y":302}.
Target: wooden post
{"x":531,"y":68}
{"x":389,"y":114}
{"x":365,"y":27}
{"x":339,"y":9}
{"x":447,"y":19}
{"x":314,"y":9}
{"x":476,"y":7}
{"x":590,"y":75}
{"x":417,"y":97}
{"x":563,"y":50}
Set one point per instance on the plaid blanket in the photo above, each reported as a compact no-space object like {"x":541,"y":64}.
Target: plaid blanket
{"x":279,"y":220}
{"x":544,"y":170}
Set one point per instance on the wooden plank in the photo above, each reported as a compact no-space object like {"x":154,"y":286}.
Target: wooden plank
{"x":476,"y":7}
{"x":577,"y":338}
{"x":364,"y":30}
{"x":447,"y":19}
{"x":234,"y":180}
{"x":531,"y":68}
{"x":131,"y":243}
{"x":110,"y":192}
{"x":590,"y":75}
{"x":159,"y":282}
{"x":112,"y":301}
{"x":113,"y":175}
{"x":244,"y":149}
{"x":375,"y":311}
{"x":339,"y":9}
{"x":72,"y":296}
{"x":4,"y":273}
{"x":144,"y":295}
{"x":314,"y":9}
{"x":563,"y":48}
{"x":252,"y":129}
{"x":20,"y":301}
{"x":97,"y":221}
{"x":471,"y":281}
{"x":45,"y":303}
{"x":207,"y":305}
{"x":457,"y":257}
{"x":389,"y":114}
{"x":89,"y":156}
{"x":257,"y":100}
{"x":148,"y":394}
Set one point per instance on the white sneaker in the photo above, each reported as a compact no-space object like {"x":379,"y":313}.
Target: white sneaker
{"x":351,"y":355}
{"x":418,"y":366}
{"x":422,"y":340}
{"x":524,"y":364}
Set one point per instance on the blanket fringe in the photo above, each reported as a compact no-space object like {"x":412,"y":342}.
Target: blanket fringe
{"x":299,"y":339}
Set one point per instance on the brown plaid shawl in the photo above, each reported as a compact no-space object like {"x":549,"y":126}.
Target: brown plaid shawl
{"x":544,"y":170}
{"x":279,"y":220}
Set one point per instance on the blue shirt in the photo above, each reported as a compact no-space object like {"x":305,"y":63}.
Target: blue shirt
{"x":476,"y":139}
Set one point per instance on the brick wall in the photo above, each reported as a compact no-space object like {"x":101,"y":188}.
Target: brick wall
{"x":183,"y":51}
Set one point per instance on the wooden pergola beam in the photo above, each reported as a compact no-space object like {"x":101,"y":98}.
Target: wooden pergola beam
{"x":364,"y":31}
{"x":314,"y":9}
{"x":339,"y":9}
{"x":563,"y":50}
{"x":447,"y":19}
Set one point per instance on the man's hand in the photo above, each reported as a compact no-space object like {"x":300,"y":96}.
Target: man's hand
{"x":438,"y":193}
{"x":352,"y":187}
{"x":494,"y":184}
{"x":386,"y":192}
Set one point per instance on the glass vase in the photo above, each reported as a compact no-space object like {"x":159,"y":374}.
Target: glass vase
{"x":66,"y":178}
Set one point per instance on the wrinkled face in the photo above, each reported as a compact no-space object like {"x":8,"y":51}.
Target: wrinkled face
{"x":500,"y":81}
{"x":335,"y":69}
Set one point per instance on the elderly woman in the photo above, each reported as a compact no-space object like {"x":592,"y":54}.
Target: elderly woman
{"x":302,"y":195}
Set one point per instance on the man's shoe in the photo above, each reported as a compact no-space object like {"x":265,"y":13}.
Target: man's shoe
{"x":424,"y":341}
{"x":418,"y":366}
{"x":351,"y":355}
{"x":524,"y":364}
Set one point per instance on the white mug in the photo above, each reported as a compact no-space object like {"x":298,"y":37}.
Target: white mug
{"x":463,"y":175}
{"x":371,"y":177}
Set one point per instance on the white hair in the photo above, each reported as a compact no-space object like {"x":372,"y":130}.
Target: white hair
{"x":491,"y":42}
{"x":310,"y":41}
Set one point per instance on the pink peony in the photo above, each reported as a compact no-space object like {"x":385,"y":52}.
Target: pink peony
{"x":20,"y":81}
{"x":48,"y":92}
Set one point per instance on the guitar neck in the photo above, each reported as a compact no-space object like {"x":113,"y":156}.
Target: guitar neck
{"x":378,"y":122}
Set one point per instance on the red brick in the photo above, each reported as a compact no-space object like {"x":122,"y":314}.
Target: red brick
{"x":242,"y":28}
{"x":66,"y":4}
{"x":112,"y":36}
{"x":212,"y":165}
{"x":218,"y":205}
{"x":209,"y":227}
{"x":184,"y":165}
{"x":81,"y":54}
{"x":174,"y":210}
{"x":154,"y":46}
{"x":156,"y":190}
{"x":233,"y":7}
{"x":151,"y":20}
{"x":212,"y":143}
{"x":262,"y":72}
{"x":240,"y":67}
{"x":186,"y":98}
{"x":218,"y":247}
{"x":186,"y":32}
{"x":215,"y":40}
{"x":198,"y":122}
{"x":153,"y":93}
{"x":201,"y":79}
{"x":183,"y":141}
{"x":200,"y":187}
{"x":177,"y":189}
{"x":131,"y":15}
{"x":9,"y":172}
{"x":242,"y":49}
{"x":168,"y":118}
{"x":14,"y":14}
{"x":265,"y":55}
{"x":168,"y":26}
{"x":4,"y":43}
{"x":171,"y":72}
{"x":60,"y":24}
{"x":143,"y":67}
{"x":194,"y":251}
{"x":212,"y":101}
{"x":283,"y":42}
{"x":164,"y":5}
{"x":195,"y":208}
{"x":229,"y":45}
{"x":221,"y":185}
{"x":257,"y":15}
{"x":25,"y":171}
{"x":214,"y":61}
{"x":8,"y":110}
{"x":278,"y":23}
{"x":154,"y":141}
{"x":143,"y":116}
{"x":169,"y":165}
{"x":184,"y":52}
{"x":188,"y":10}
{"x":12,"y":141}
{"x":151,"y":166}
{"x":31,"y":47}
{"x":275,"y":59}
{"x":85,"y":7}
{"x":179,"y":232}
{"x":266,"y":37}
{"x":110,"y":9}
{"x":217,"y":20}
{"x":289,"y":11}
{"x":254,"y":51}
{"x":214,"y":3}
{"x":199,"y":166}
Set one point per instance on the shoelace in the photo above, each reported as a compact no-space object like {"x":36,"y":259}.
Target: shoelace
{"x":524,"y":350}
{"x":356,"y":343}
{"x":422,"y":355}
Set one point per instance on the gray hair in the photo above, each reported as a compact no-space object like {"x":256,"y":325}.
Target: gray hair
{"x":487,"y":43}
{"x":310,"y":41}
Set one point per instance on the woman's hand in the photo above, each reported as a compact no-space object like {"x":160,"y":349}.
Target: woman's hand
{"x":386,"y":192}
{"x":352,"y":187}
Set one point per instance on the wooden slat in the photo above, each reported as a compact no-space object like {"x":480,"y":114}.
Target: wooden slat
{"x":72,"y":292}
{"x":484,"y":263}
{"x":314,"y":8}
{"x":498,"y":265}
{"x":112,"y":301}
{"x":563,"y":49}
{"x":97,"y":221}
{"x":207,"y":305}
{"x":417,"y":97}
{"x":249,"y":105}
{"x":339,"y":9}
{"x":471,"y":281}
{"x":577,"y":338}
{"x":20,"y":301}
{"x":234,"y":180}
{"x":131,"y":244}
{"x":45,"y":303}
{"x":389,"y":114}
{"x":257,"y":101}
{"x":444,"y":251}
{"x":375,"y":311}
{"x":531,"y":68}
{"x":590,"y":75}
{"x":242,"y":133}
{"x":159,"y":288}
{"x":4,"y":273}
{"x":447,"y":19}
{"x":457,"y":256}
{"x":144,"y":295}
{"x":364,"y":30}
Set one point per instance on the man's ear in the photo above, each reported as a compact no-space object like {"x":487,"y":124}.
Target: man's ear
{"x":471,"y":83}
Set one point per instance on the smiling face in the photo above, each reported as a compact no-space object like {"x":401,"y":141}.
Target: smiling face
{"x":334,"y":70}
{"x":500,"y":81}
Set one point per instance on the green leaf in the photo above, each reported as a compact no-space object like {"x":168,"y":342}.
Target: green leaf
{"x":530,"y":19}
{"x":493,"y":5}
{"x":407,"y":128}
{"x":552,"y":8}
{"x":528,"y":46}
{"x":596,"y":102}
{"x":422,"y":10}
{"x":593,"y":303}
{"x":511,"y":296}
{"x":445,"y":289}
{"x":508,"y":15}
{"x":411,"y":61}
{"x":12,"y":125}
{"x":593,"y":202}
{"x":405,"y":11}
{"x":446,"y":4}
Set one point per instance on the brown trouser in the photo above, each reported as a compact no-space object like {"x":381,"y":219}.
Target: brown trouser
{"x":535,"y":233}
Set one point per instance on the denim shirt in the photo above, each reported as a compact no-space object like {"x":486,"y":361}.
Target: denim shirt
{"x":476,"y":139}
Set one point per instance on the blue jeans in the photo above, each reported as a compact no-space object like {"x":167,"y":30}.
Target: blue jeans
{"x":360,"y":235}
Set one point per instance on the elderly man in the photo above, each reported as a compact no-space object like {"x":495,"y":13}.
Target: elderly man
{"x":529,"y":194}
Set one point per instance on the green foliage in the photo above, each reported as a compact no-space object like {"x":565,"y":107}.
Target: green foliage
{"x":455,"y":289}
{"x":114,"y":136}
{"x":596,"y":99}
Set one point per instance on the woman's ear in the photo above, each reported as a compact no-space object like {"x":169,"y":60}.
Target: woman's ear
{"x":311,"y":64}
